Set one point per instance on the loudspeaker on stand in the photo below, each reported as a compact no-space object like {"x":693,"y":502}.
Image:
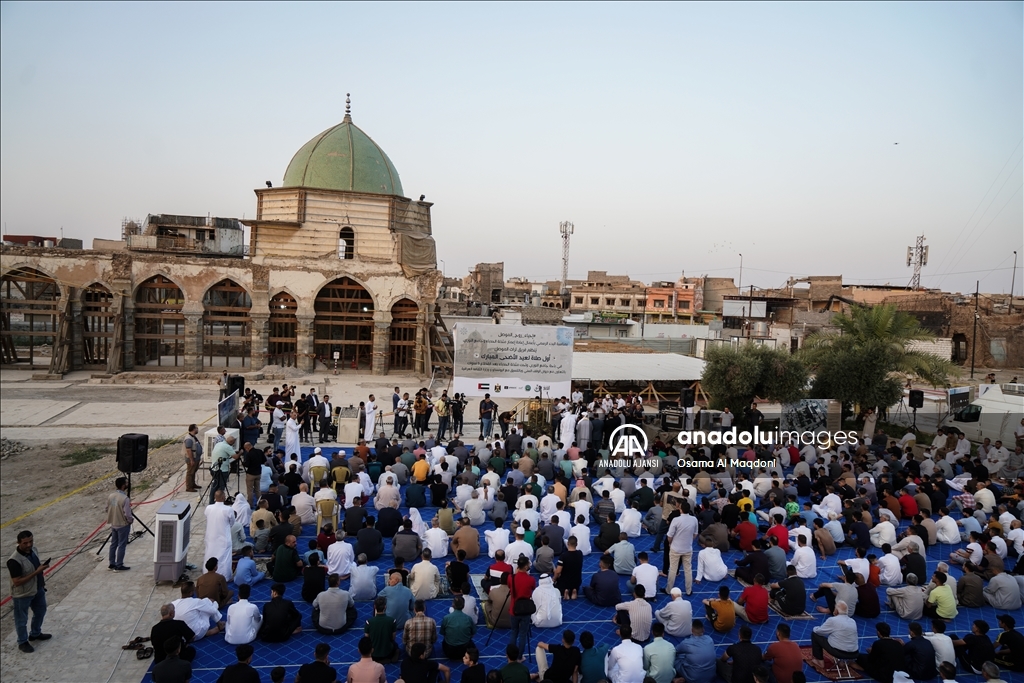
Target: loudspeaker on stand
{"x":132,"y":452}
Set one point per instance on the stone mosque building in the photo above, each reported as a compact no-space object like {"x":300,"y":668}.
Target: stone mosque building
{"x":340,"y":267}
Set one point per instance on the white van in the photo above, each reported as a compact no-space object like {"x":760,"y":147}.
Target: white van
{"x":993,"y":415}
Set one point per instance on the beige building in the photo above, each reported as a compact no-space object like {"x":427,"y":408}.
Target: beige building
{"x":615,"y":295}
{"x":339,"y":266}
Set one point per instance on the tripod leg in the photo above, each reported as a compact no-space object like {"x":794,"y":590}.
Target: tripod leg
{"x":495,"y":624}
{"x":104,"y":544}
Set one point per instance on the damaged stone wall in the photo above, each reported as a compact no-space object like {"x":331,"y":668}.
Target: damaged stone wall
{"x":123,"y":272}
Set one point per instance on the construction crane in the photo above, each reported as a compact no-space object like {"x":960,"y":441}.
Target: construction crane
{"x":917,"y":256}
{"x":566,"y":228}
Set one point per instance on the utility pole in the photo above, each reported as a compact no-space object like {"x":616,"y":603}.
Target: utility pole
{"x":974,"y":338}
{"x":739,"y":286}
{"x":1013,"y":281}
{"x":750,"y":312}
{"x":918,"y":256}
{"x":566,"y":228}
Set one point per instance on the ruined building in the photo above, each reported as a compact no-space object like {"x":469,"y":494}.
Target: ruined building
{"x":339,"y":267}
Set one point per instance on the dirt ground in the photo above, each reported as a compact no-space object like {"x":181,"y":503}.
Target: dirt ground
{"x":44,"y":472}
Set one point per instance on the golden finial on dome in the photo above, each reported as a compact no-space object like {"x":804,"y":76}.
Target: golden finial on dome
{"x":348,"y":107}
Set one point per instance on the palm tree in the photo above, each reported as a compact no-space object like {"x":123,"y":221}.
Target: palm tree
{"x":863,"y":360}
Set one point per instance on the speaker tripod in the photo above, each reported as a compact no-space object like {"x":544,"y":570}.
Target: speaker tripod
{"x":901,"y":409}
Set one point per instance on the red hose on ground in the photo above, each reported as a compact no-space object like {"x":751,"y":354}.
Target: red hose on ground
{"x":90,"y":537}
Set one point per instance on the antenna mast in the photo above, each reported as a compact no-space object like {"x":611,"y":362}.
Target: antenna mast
{"x":566,"y":228}
{"x":917,"y":256}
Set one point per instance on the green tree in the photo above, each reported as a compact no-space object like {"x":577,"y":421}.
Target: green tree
{"x":733,"y":377}
{"x":864,"y":361}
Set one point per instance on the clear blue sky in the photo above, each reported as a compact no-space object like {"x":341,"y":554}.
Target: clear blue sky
{"x":674,"y":136}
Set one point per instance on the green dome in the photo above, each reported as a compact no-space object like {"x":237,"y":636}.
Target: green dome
{"x":343,"y":158}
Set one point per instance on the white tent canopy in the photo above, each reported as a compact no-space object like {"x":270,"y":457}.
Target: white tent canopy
{"x":635,"y":367}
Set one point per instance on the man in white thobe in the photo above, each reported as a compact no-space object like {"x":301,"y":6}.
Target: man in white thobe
{"x":243,"y":513}
{"x":371,"y":419}
{"x":631,"y":521}
{"x":244,"y":619}
{"x":567,"y":429}
{"x":583,"y":429}
{"x":549,"y":604}
{"x":219,"y":519}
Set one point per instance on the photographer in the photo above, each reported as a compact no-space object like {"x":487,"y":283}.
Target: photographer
{"x":221,"y":459}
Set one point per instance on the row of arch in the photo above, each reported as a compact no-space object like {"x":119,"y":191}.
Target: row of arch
{"x":343,"y":325}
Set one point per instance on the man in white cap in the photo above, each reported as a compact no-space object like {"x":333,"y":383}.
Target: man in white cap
{"x":677,"y":615}
{"x":317,"y":460}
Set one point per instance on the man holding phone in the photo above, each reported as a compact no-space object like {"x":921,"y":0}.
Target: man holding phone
{"x":28,"y":591}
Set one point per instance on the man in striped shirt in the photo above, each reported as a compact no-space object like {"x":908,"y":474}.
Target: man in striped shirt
{"x":639,"y":612}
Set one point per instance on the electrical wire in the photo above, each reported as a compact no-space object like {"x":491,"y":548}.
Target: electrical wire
{"x":966,"y":251}
{"x":134,"y":628}
{"x":952,"y":249}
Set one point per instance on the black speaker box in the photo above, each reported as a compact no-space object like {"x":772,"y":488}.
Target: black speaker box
{"x":916,"y":398}
{"x":673,"y":419}
{"x":235,"y":383}
{"x":132,"y":452}
{"x":687,"y":397}
{"x":588,"y":396}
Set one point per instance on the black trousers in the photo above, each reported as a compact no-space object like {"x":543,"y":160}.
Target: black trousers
{"x":830,"y":597}
{"x":819,"y":642}
{"x":454,"y":652}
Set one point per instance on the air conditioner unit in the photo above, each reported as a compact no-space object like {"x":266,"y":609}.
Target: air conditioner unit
{"x":212,"y":434}
{"x":170,"y":550}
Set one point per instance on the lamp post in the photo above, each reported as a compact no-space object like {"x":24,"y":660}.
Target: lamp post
{"x":442,"y":267}
{"x":739,"y":287}
{"x":1013,"y":281}
{"x":974,"y":337}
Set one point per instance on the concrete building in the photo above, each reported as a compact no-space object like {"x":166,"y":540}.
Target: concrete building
{"x":485,"y":283}
{"x":340,"y":265}
{"x":674,"y":302}
{"x":607,"y":295}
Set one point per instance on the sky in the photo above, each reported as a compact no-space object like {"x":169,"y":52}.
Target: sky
{"x":674,"y":136}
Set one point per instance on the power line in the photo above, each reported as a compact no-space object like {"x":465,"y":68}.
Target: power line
{"x":966,"y":251}
{"x":994,"y":181}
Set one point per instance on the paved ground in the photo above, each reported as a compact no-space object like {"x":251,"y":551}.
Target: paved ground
{"x":93,"y":612}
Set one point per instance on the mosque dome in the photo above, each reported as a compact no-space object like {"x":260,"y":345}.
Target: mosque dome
{"x":343,"y":158}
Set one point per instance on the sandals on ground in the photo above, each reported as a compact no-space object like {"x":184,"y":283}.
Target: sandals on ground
{"x":135,"y":643}
{"x":144,"y":653}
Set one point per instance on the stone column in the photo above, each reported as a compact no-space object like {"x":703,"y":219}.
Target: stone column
{"x":77,"y":351}
{"x":304,"y":358}
{"x":193,"y":337}
{"x":381,"y":342}
{"x":122,"y":350}
{"x":259,"y":345}
{"x":423,"y":322}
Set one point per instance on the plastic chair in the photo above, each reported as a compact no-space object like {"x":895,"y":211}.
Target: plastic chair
{"x":317,"y":475}
{"x":340,"y":475}
{"x":326,"y":509}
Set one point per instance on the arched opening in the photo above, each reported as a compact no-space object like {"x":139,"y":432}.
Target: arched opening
{"x":283,"y":326}
{"x":159,"y":323}
{"x":347,"y":244}
{"x":97,"y":325}
{"x":959,"y":348}
{"x":227,"y":337}
{"x":402,"y":349}
{"x":29,"y":304}
{"x":343,"y":324}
